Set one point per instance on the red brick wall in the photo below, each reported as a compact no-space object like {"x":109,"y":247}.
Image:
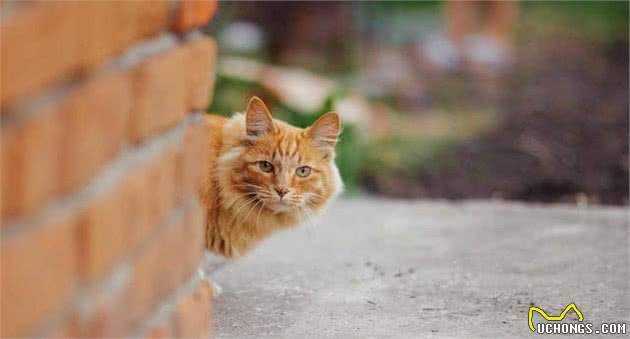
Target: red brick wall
{"x":102,"y":156}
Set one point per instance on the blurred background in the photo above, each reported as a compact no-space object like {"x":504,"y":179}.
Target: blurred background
{"x":457,"y":100}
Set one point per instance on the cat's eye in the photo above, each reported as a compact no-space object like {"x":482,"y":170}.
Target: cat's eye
{"x":265,"y":166}
{"x":303,"y":171}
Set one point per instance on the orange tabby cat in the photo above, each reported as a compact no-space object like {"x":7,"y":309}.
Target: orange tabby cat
{"x":267,"y":175}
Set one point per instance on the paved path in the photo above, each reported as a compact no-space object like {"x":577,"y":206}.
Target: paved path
{"x":383,"y":269}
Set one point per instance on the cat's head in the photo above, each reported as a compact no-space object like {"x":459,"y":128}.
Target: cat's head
{"x":281,"y":168}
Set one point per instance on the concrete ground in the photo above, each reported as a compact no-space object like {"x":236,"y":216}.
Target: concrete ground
{"x":399,"y":269}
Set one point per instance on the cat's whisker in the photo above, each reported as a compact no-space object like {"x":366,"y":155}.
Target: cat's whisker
{"x":304,"y":211}
{"x":249,"y":211}
{"x":247,"y":202}
{"x":315,"y":196}
{"x":260,"y":208}
{"x":298,"y":213}
{"x":303,"y":217}
{"x":265,"y":195}
{"x":226,"y":205}
{"x":239,"y":197}
{"x":311,"y":214}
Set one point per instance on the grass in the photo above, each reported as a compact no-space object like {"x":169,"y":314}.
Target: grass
{"x":600,"y":21}
{"x":423,"y":140}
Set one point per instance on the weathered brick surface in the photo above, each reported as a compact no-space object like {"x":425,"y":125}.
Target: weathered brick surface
{"x":115,"y":25}
{"x":78,"y":36}
{"x":38,"y":275}
{"x":178,"y":247}
{"x":193,"y":161}
{"x":103,"y":318}
{"x":161,"y":183}
{"x":116,"y":221}
{"x":30,"y":60}
{"x":190,"y":316}
{"x":160,"y":94}
{"x":60,"y":148}
{"x":148,"y":194}
{"x":30,"y":170}
{"x":193,"y":314}
{"x":95,"y":118}
{"x":201,"y":63}
{"x":101,"y":167}
{"x":103,"y":235}
{"x":193,"y":13}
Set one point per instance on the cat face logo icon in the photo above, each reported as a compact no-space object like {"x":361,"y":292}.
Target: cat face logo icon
{"x":560,"y":317}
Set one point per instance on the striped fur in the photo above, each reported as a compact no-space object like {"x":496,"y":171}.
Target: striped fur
{"x":244,"y":203}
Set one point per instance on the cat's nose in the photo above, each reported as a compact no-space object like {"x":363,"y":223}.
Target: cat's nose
{"x":282,"y":191}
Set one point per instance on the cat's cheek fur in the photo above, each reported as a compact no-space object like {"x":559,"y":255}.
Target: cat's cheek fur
{"x":337,"y":183}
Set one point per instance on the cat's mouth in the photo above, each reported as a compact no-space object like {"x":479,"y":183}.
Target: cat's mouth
{"x":279,"y":206}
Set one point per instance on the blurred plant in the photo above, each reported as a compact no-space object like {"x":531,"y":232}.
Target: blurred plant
{"x":384,"y":157}
{"x":601,"y":21}
{"x":423,"y":141}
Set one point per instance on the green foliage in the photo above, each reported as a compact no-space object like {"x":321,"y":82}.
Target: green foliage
{"x":231,"y":95}
{"x":598,"y":20}
{"x":388,"y":155}
{"x":350,"y":157}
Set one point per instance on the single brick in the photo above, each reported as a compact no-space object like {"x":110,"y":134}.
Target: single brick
{"x":193,"y":242}
{"x":193,"y":13}
{"x":205,"y":156}
{"x":193,"y":162}
{"x":98,"y":40}
{"x":40,"y":46}
{"x":161,"y":186}
{"x":37,"y":274}
{"x":159,"y":93}
{"x":194,"y":312}
{"x":201,"y":72}
{"x":30,"y":172}
{"x":115,"y":25}
{"x":138,"y":193}
{"x":164,"y":263}
{"x":95,"y":119}
{"x":103,"y":235}
{"x":149,"y":17}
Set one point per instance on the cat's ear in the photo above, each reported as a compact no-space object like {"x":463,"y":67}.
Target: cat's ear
{"x":257,"y":118}
{"x":325,"y":131}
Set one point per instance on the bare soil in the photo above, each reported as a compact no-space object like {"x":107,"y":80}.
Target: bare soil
{"x":562,"y":134}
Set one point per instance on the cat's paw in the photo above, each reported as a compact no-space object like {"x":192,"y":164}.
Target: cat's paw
{"x":216,"y":289}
